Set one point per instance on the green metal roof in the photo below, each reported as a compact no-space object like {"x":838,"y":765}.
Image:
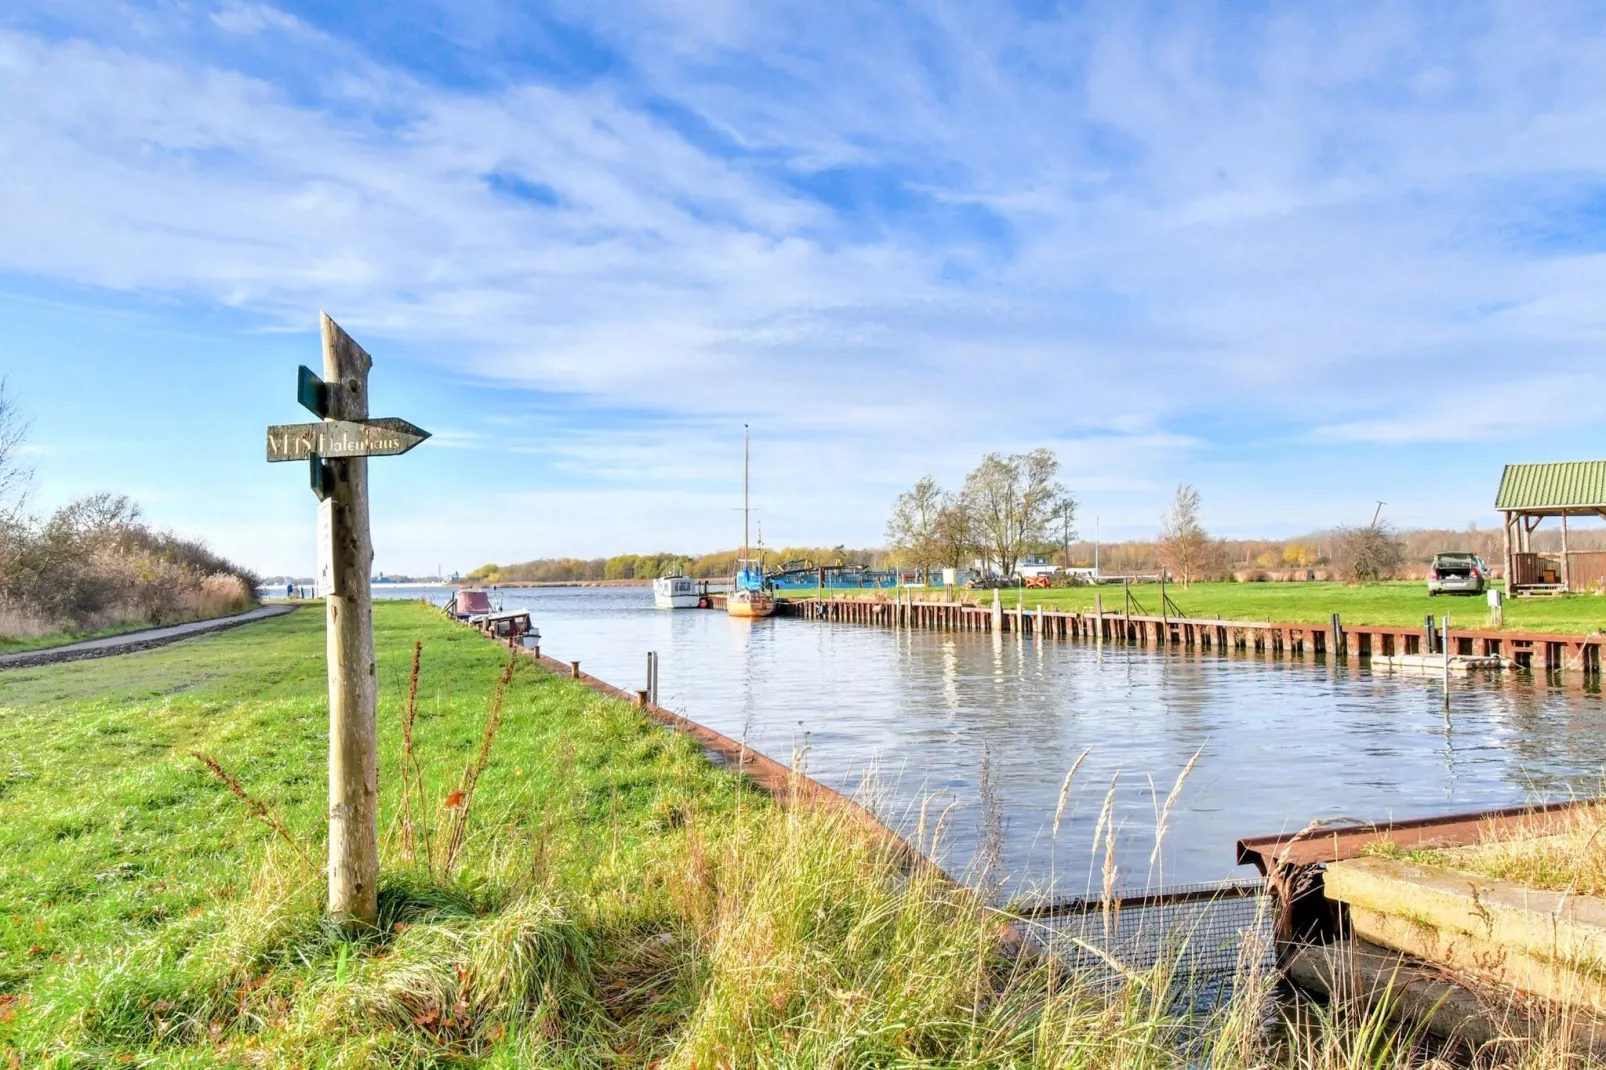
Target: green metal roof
{"x":1560,"y":485}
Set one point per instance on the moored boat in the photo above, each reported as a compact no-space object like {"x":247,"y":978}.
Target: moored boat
{"x":675,"y":592}
{"x":468,"y":603}
{"x":751,"y":594}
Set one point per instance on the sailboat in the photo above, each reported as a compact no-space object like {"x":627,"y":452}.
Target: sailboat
{"x":751,"y":594}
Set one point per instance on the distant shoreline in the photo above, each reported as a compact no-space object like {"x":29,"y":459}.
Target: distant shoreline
{"x":561,"y":583}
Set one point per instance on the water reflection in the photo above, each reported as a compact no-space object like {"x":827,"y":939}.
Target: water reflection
{"x":1281,"y":741}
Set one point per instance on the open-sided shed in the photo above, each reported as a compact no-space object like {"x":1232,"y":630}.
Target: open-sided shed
{"x":1531,"y":492}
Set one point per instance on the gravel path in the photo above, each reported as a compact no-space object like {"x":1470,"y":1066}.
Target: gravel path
{"x":131,"y":641}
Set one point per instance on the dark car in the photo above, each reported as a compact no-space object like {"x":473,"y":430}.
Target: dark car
{"x":1457,"y":573}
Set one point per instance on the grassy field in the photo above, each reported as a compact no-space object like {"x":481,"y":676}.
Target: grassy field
{"x":620,"y":902}
{"x":1403,"y":604}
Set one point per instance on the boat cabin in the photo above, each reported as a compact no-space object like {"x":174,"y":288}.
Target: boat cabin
{"x":1528,"y":494}
{"x":469,"y":603}
{"x":512,"y":624}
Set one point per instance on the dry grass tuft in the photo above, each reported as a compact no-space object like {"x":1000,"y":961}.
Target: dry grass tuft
{"x":1569,"y":855}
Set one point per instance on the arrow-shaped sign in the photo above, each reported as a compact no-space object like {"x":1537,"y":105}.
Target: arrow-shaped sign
{"x":384,"y":437}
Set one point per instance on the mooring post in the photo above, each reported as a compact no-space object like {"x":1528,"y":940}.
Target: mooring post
{"x":1447,"y":659}
{"x":1337,"y":632}
{"x":1098,"y":616}
{"x":998,"y":612}
{"x":1429,"y":633}
{"x":574,"y":670}
{"x":349,"y":644}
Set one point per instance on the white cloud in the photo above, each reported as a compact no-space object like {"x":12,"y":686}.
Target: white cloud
{"x":1296,"y":225}
{"x":247,"y":18}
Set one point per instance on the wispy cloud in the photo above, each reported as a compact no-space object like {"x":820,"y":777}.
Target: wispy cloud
{"x":895,"y":236}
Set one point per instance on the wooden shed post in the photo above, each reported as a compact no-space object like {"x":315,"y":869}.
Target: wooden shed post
{"x":1566,"y":566}
{"x":1507,"y":517}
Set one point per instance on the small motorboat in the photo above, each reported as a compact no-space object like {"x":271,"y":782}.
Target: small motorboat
{"x":675,"y":592}
{"x":468,"y":603}
{"x":510,"y":626}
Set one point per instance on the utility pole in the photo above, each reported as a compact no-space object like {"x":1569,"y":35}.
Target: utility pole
{"x":1065,"y":534}
{"x":337,"y":451}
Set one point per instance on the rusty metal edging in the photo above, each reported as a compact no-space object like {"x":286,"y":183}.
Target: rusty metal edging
{"x":1094,"y":904}
{"x":1308,"y":848}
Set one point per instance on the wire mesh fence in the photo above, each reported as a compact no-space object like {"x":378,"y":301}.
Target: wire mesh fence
{"x":1203,"y":937}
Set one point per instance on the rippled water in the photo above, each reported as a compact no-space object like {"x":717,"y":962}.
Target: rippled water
{"x":916,"y":715}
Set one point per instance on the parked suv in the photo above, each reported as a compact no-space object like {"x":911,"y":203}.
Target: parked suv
{"x":1455,"y":572}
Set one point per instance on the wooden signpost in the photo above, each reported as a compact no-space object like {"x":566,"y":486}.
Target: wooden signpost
{"x":337,"y":451}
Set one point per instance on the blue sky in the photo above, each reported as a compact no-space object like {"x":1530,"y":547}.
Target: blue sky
{"x":1302,"y":257}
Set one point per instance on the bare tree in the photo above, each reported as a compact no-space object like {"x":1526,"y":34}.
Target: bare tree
{"x":1185,"y":548}
{"x":15,"y":476}
{"x":912,"y":528}
{"x":955,"y":539}
{"x":1013,"y":501}
{"x":1369,"y":553}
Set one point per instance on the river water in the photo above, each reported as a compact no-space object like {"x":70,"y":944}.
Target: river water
{"x":912,"y":720}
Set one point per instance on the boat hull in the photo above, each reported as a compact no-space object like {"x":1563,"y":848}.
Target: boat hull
{"x":676,"y":601}
{"x":750,"y":604}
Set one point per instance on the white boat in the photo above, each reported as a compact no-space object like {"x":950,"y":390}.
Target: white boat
{"x":675,"y":592}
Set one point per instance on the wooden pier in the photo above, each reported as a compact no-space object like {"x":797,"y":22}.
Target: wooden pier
{"x":1536,"y":651}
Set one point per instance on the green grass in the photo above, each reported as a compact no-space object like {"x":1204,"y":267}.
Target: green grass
{"x":1400,"y":604}
{"x":621,"y":902}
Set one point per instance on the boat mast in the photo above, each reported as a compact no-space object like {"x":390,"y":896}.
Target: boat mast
{"x":744,"y":491}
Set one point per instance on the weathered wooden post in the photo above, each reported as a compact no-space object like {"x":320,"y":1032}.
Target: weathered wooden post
{"x":337,"y":450}
{"x":1447,"y":659}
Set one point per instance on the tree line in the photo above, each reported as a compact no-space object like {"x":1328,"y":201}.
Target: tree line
{"x":718,"y":565}
{"x":1011,"y":506}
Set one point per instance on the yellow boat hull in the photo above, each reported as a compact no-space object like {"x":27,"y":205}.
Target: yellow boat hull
{"x":749,"y":604}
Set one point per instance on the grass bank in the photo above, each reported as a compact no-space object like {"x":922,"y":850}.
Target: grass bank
{"x":619,"y":901}
{"x":1399,"y":604}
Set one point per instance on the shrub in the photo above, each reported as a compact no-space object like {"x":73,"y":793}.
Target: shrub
{"x":95,"y":563}
{"x":1367,"y":554}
